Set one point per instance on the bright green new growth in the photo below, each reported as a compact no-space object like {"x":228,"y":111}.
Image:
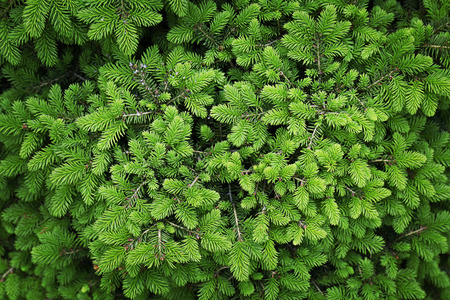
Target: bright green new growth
{"x":224,"y":150}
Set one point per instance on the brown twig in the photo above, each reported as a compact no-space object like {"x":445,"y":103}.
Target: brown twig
{"x":381,"y":79}
{"x":317,"y":287}
{"x":10,"y":271}
{"x":193,"y":182}
{"x":422,"y":228}
{"x":235,"y":214}
{"x":138,"y":114}
{"x":312,"y":137}
{"x":438,"y":46}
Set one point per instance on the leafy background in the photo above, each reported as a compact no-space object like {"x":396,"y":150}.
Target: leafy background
{"x":215,"y":150}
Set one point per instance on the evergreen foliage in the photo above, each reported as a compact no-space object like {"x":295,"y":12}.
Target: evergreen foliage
{"x":183,"y":149}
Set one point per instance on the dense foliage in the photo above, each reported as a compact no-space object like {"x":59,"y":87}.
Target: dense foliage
{"x":182,"y":149}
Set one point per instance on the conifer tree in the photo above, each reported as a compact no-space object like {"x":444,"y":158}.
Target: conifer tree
{"x":183,"y":149}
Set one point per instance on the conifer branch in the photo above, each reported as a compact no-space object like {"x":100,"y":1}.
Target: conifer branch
{"x":229,"y":194}
{"x":123,"y":13}
{"x":145,"y":231}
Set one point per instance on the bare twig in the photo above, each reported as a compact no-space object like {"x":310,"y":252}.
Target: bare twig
{"x":10,"y":271}
{"x":137,"y":114}
{"x":381,"y":160}
{"x":381,"y":79}
{"x":418,"y":231}
{"x":199,"y":27}
{"x":134,"y":196}
{"x":302,"y":181}
{"x":159,"y":242}
{"x":268,"y":44}
{"x":351,"y":191}
{"x":312,"y":137}
{"x":438,"y":46}
{"x":79,"y":76}
{"x":199,"y":233}
{"x":235,"y":214}
{"x":317,"y":287}
{"x":318,"y":63}
{"x":237,"y":223}
{"x":7,"y":9}
{"x":193,"y":182}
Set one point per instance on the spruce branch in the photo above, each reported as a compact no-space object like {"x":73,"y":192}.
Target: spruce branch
{"x":137,"y":190}
{"x":232,"y":29}
{"x":229,"y":194}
